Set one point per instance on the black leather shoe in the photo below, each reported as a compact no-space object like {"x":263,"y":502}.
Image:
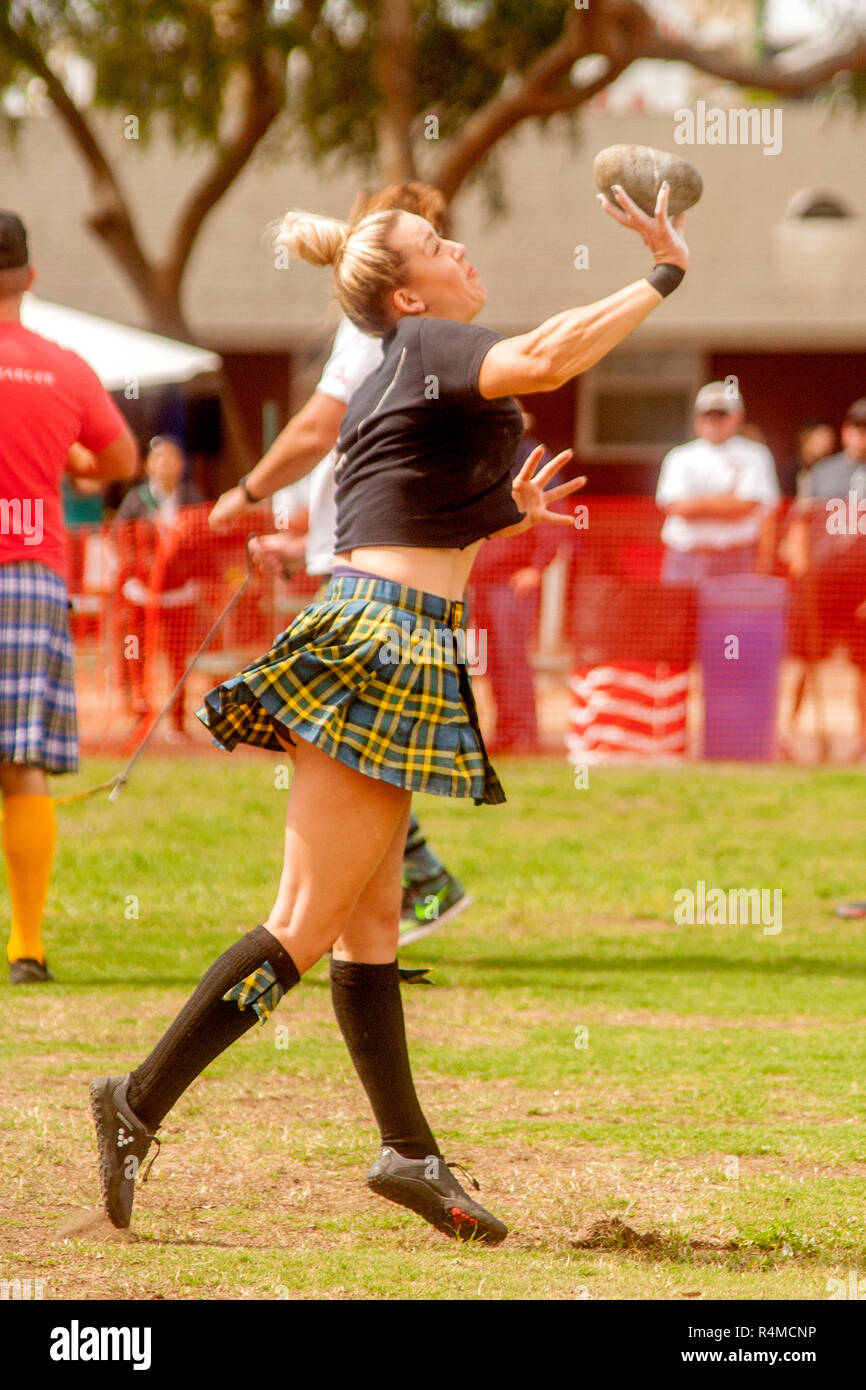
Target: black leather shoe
{"x":28,"y":971}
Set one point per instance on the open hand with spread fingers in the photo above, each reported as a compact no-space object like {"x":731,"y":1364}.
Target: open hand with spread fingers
{"x":528,"y":488}
{"x":663,"y":236}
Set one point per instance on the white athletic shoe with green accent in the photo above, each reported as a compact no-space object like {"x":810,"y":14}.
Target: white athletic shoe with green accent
{"x":428,"y":905}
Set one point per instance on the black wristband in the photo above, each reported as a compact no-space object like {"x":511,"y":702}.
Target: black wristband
{"x":242,"y":484}
{"x":665,"y":278}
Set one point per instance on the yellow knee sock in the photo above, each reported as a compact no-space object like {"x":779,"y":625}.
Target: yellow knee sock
{"x":29,"y":837}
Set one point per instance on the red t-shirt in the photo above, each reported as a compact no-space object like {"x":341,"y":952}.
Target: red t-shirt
{"x":49,"y":400}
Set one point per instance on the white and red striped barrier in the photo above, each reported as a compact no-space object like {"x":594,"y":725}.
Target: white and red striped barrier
{"x":627,"y":711}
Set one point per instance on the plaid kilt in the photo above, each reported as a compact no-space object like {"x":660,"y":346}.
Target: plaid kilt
{"x":372,"y":675}
{"x":37,"y":694}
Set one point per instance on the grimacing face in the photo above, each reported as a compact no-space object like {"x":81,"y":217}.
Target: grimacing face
{"x":440,"y":283}
{"x":718,"y":428}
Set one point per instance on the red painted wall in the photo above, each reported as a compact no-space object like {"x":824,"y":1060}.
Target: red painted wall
{"x":257,"y":377}
{"x":779,"y":388}
{"x":782,"y":388}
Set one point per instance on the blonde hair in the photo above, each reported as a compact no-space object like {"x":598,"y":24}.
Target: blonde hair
{"x":366,"y":268}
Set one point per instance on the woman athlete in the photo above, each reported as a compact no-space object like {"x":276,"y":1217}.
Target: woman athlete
{"x":367,"y":688}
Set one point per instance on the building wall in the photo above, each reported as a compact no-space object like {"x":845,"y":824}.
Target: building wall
{"x":780,"y":390}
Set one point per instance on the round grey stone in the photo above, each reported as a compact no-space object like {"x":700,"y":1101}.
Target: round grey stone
{"x":641,"y":171}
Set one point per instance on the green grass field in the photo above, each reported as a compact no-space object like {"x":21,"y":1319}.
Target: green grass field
{"x":600,"y":1069}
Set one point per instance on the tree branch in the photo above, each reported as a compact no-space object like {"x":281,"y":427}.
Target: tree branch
{"x":569,"y":98}
{"x":623,"y":32}
{"x":263,"y":99}
{"x":771,"y":75}
{"x":540,"y":93}
{"x":392,"y":69}
{"x":110,"y":217}
{"x":648,"y":38}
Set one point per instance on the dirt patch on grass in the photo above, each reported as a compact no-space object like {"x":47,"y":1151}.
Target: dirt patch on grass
{"x":614,"y":1234}
{"x":264,"y":1163}
{"x":93,"y":1224}
{"x":654,"y":1018}
{"x":611,"y":1233}
{"x":253,"y":1182}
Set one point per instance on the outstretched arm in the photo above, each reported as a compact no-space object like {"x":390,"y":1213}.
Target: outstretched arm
{"x":569,"y":343}
{"x":305,"y":440}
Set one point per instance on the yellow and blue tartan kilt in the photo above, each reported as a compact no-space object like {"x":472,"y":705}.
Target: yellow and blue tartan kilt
{"x":374,"y":674}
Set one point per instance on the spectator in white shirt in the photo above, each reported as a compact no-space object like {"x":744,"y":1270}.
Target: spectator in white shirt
{"x":716,"y":492}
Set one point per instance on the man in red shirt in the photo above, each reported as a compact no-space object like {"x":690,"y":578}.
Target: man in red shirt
{"x":55,"y":417}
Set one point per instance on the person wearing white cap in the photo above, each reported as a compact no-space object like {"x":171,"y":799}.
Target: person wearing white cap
{"x":715,"y":492}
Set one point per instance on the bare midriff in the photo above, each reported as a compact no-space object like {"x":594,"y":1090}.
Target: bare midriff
{"x":443,"y":572}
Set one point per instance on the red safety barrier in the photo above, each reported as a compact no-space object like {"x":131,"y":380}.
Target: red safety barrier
{"x":581,"y":641}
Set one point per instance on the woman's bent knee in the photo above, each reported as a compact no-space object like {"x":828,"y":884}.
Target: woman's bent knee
{"x":369,"y":938}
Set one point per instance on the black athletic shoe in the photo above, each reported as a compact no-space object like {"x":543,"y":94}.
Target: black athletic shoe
{"x":428,"y":1187}
{"x":122,"y":1142}
{"x":27,"y":971}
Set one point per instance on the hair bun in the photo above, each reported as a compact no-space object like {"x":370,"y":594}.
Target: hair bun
{"x":316,"y":239}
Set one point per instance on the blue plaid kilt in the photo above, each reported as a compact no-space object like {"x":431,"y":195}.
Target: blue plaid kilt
{"x":37,"y":694}
{"x":375,"y":675}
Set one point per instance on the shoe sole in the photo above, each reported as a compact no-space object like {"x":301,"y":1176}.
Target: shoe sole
{"x":101,"y":1104}
{"x":417,"y":933}
{"x":417,"y":1197}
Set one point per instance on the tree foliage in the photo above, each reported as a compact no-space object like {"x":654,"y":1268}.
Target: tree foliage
{"x":361,"y":79}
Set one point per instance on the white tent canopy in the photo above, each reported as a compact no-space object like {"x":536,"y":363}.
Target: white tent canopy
{"x":119,"y":355}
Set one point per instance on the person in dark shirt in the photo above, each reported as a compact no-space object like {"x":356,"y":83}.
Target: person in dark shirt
{"x":367,"y":688}
{"x":432,"y":895}
{"x":827,"y":563}
{"x":816,"y":440}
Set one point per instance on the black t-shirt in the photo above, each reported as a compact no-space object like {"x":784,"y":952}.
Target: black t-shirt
{"x":423,"y":459}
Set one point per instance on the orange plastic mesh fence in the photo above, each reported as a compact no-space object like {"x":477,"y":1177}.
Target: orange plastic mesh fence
{"x":591,"y":639}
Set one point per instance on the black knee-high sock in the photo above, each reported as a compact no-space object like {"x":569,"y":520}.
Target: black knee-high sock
{"x":369,"y":1010}
{"x":419,"y":861}
{"x":208,"y":1023}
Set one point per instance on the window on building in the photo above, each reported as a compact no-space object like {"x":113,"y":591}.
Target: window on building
{"x":817,"y":202}
{"x":637,"y":403}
